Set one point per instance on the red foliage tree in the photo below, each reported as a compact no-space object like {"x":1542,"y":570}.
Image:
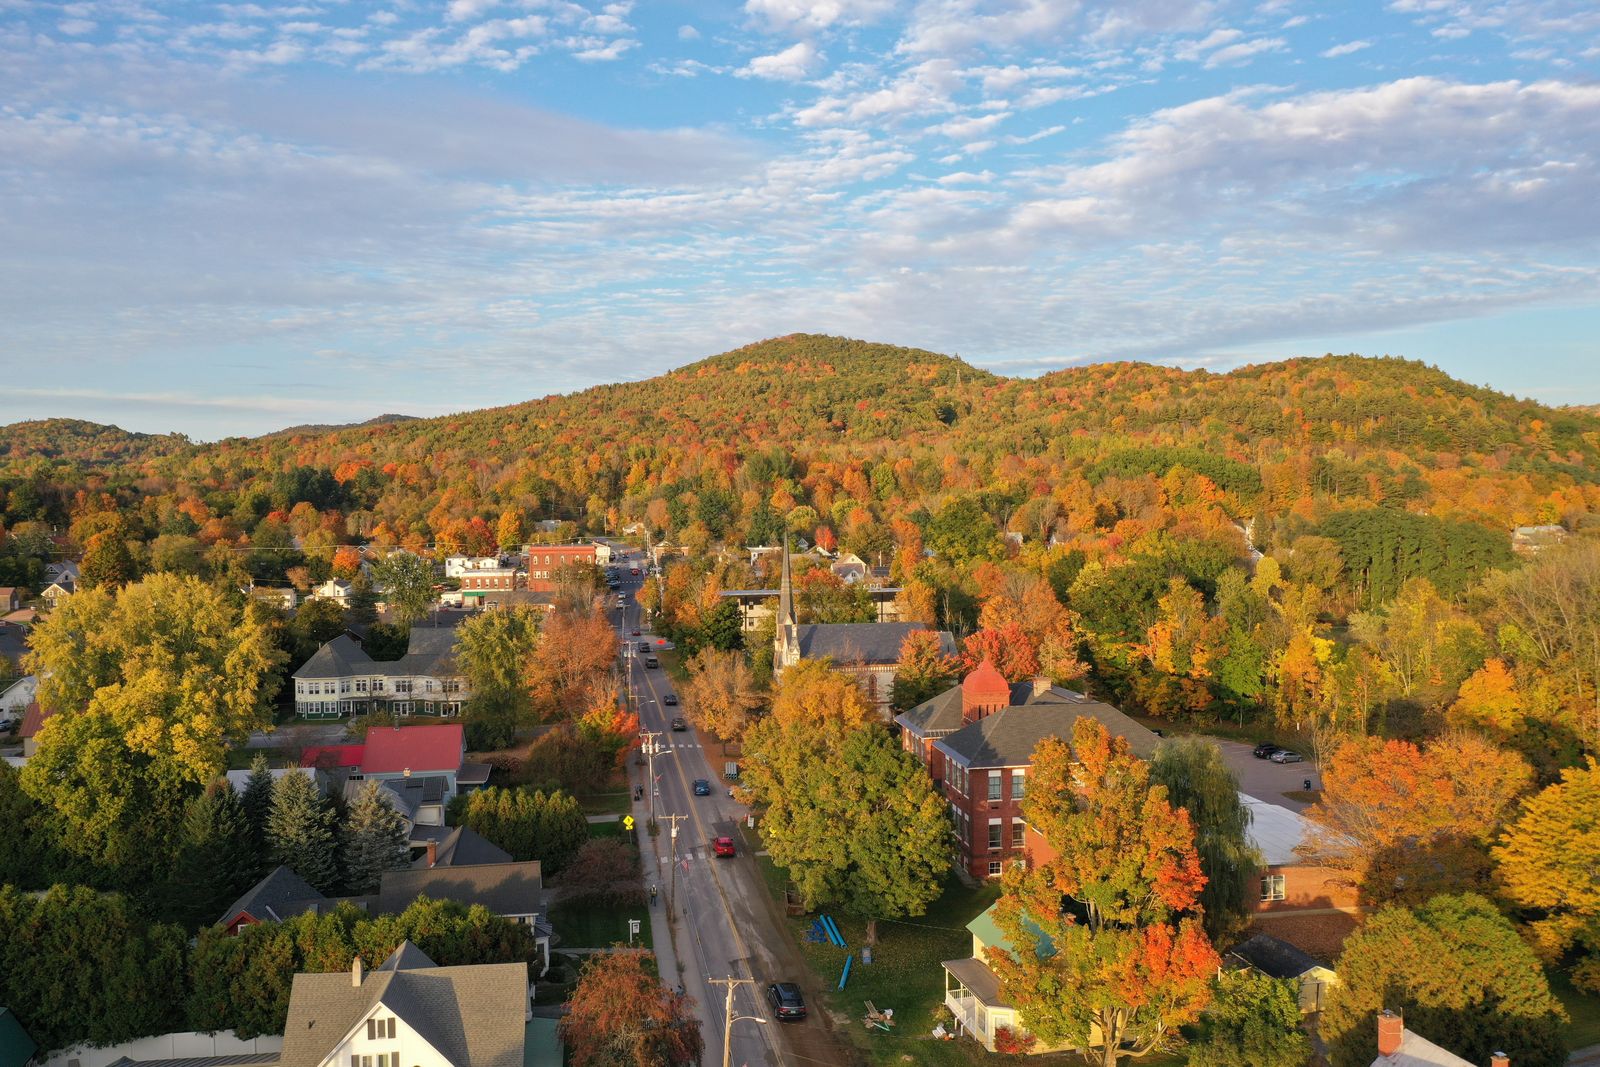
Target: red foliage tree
{"x":619,"y":1013}
{"x":1007,"y":646}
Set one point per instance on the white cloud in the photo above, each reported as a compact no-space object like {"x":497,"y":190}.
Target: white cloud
{"x":688,"y":33}
{"x":76,"y":27}
{"x":817,"y":14}
{"x":1244,"y":51}
{"x":1348,"y":48}
{"x":792,"y":64}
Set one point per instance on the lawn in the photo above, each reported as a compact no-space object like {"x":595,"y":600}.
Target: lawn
{"x":1583,"y":1012}
{"x":607,"y":803}
{"x":596,"y":926}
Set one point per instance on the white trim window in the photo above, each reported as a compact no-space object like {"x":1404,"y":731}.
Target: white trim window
{"x":1019,"y":779}
{"x":994,"y":868}
{"x":995,"y":835}
{"x":1272,"y":888}
{"x":994,"y":787}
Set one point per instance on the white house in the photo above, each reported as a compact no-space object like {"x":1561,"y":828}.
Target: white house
{"x":458,"y":566}
{"x":341,"y":679}
{"x":335,"y":589}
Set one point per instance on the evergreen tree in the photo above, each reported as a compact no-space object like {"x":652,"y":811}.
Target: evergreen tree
{"x":217,"y":857}
{"x":301,"y":831}
{"x":1200,"y":781}
{"x":374,"y":840}
{"x":1253,"y":1021}
{"x":257,"y":800}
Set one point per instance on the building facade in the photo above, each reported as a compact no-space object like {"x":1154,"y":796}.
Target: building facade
{"x":341,"y":679}
{"x":543,"y":561}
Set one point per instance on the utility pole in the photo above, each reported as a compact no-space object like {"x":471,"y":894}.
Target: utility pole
{"x":650,"y":748}
{"x":728,"y":1018}
{"x":672,"y":885}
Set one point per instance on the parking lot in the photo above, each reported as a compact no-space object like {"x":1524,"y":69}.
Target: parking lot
{"x":1269,"y":781}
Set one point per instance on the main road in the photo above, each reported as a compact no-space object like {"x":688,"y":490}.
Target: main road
{"x":724,"y":921}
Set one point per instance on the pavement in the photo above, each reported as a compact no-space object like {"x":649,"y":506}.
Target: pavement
{"x":299,"y":735}
{"x":714,"y":917}
{"x":1269,"y":781}
{"x":1585,"y":1057}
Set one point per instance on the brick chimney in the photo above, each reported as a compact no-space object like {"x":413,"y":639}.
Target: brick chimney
{"x":1499,"y":1059}
{"x":1391,"y":1031}
{"x":1041,"y":685}
{"x":433,"y":853}
{"x":355,"y":972}
{"x":983,"y":691}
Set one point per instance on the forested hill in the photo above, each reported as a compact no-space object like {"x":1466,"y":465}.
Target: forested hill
{"x":864,"y":434}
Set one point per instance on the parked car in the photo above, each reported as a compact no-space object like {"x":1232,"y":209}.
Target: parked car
{"x":702,"y":788}
{"x":651,"y":662}
{"x":633,"y":570}
{"x":670,"y":700}
{"x":642,"y":644}
{"x":1283,"y":755}
{"x":723,"y":846}
{"x":678,"y":725}
{"x":1264,"y":750}
{"x":786,"y":1000}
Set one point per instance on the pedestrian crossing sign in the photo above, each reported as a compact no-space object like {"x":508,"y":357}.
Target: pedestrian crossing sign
{"x":627,"y":822}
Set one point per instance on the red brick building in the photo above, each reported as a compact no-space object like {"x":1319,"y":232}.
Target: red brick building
{"x":545,"y":560}
{"x":500,"y":578}
{"x":977,"y":741}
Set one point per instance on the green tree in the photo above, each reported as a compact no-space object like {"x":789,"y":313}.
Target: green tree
{"x":107,"y":563}
{"x":315,"y":623}
{"x":493,"y":650}
{"x":961,"y":531}
{"x":217,"y":858}
{"x":721,"y":628}
{"x":375,"y":840}
{"x":1200,"y":781}
{"x":407,"y":583}
{"x":257,"y":799}
{"x":531,"y":825}
{"x":32,"y":857}
{"x":150,"y":686}
{"x":1547,"y":864}
{"x":851,"y":817}
{"x":301,"y":835}
{"x":362,"y":612}
{"x":176,"y":554}
{"x":77,"y":965}
{"x":1458,"y":972}
{"x":1105,"y":950}
{"x":1253,"y":1021}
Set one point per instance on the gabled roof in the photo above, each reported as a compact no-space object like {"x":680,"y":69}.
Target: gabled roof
{"x":16,"y":1047}
{"x":1274,"y":958}
{"x":1275,"y":831}
{"x":1418,"y":1051}
{"x":459,"y":846}
{"x":1008,"y":737}
{"x":861,"y":642}
{"x":420,"y":749}
{"x":279,"y":895}
{"x":430,"y":650}
{"x":472,"y":1015}
{"x":34,"y":718}
{"x":343,"y":657}
{"x":935,"y":716}
{"x":503,"y":888}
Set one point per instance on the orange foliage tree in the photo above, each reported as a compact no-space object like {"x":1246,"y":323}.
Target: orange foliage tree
{"x":1107,"y":949}
{"x":621,"y":1014}
{"x":1011,"y":650}
{"x":1404,"y":822}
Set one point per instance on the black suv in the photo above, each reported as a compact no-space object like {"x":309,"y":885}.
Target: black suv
{"x":1263,"y":750}
{"x":786,"y":1001}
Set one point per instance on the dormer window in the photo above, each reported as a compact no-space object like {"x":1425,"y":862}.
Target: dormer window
{"x":380,"y":1028}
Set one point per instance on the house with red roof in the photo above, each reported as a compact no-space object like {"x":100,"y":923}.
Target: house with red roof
{"x":422,"y":766}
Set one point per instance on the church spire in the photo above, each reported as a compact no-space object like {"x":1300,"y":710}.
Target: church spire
{"x":785,"y":590}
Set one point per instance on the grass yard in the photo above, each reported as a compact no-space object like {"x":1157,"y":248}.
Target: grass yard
{"x":1583,"y":1012}
{"x":596,"y":926}
{"x":239,"y":759}
{"x":607,"y":803}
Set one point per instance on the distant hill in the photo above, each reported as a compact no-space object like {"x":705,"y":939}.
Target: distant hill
{"x":79,"y":441}
{"x":314,"y":428}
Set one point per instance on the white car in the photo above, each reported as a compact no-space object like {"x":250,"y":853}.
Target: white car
{"x":1283,"y":755}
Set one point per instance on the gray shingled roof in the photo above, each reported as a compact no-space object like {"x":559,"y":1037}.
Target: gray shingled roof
{"x":1008,"y":737}
{"x":503,"y":888}
{"x":472,"y":1015}
{"x":1275,"y":958}
{"x":459,"y":846}
{"x":280,"y":894}
{"x":234,"y":1059}
{"x":935,"y":716}
{"x":430,"y":651}
{"x":861,"y":642}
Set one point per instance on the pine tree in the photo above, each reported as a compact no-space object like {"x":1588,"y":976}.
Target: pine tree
{"x":217,"y":858}
{"x":375,"y":840}
{"x":300,"y":831}
{"x":257,"y":800}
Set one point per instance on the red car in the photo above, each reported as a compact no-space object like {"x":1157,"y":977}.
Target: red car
{"x":636,"y":633}
{"x":633,"y":570}
{"x":723,"y":846}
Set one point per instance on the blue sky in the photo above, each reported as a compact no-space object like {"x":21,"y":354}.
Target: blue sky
{"x":224,"y":218}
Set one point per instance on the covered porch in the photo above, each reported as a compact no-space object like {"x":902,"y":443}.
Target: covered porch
{"x":972,"y":993}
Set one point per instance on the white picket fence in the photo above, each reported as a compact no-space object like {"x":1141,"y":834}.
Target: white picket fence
{"x":164,"y":1047}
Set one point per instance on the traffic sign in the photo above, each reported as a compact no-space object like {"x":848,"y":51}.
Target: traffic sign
{"x":627,"y":822}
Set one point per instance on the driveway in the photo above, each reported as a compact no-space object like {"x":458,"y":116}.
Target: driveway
{"x":1269,"y":781}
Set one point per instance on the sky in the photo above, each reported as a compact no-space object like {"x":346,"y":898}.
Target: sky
{"x":225,"y":218}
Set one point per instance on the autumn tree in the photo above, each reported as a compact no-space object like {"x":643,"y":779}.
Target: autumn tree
{"x":1199,"y":781}
{"x":1459,"y":974}
{"x":1547,"y":864}
{"x":1426,"y":644}
{"x":721,"y":692}
{"x":150,"y":686}
{"x":107,"y":563}
{"x":509,"y":531}
{"x":621,"y":1015}
{"x":812,"y":693}
{"x":1106,"y":948}
{"x":406,"y":581}
{"x":1404,"y":822}
{"x":925,"y":669}
{"x":1007,"y":646}
{"x":577,"y":649}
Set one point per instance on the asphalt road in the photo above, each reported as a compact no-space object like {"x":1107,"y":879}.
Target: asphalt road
{"x":727,"y":924}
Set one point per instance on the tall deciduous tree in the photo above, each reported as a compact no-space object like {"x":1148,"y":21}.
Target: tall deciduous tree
{"x":375,"y":840}
{"x":1406,"y":822}
{"x":1106,"y":950}
{"x":1200,"y":781}
{"x":812,"y":692}
{"x":924,"y":669}
{"x":1007,"y":646}
{"x":1460,"y":975}
{"x":621,"y":1015}
{"x":1547,"y":863}
{"x":493,"y":650}
{"x":107,"y":563}
{"x":301,"y":831}
{"x":721,"y":692}
{"x":149,"y":687}
{"x":1253,"y":1021}
{"x":407,"y":583}
{"x":217,"y":857}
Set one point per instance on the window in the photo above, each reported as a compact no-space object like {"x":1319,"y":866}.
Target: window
{"x":994,"y":787}
{"x":1271,"y":887}
{"x":402,"y":685}
{"x":380,"y":1028}
{"x":1019,"y":778}
{"x":344,"y":685}
{"x":361,"y":685}
{"x":994,"y":868}
{"x":994,"y":836}
{"x":1019,"y":833}
{"x":377,"y":685}
{"x":427,"y":686}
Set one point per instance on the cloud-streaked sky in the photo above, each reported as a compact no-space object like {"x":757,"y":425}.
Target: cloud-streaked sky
{"x":228,"y":217}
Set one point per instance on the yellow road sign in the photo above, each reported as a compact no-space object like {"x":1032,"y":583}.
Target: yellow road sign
{"x":627,"y":822}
